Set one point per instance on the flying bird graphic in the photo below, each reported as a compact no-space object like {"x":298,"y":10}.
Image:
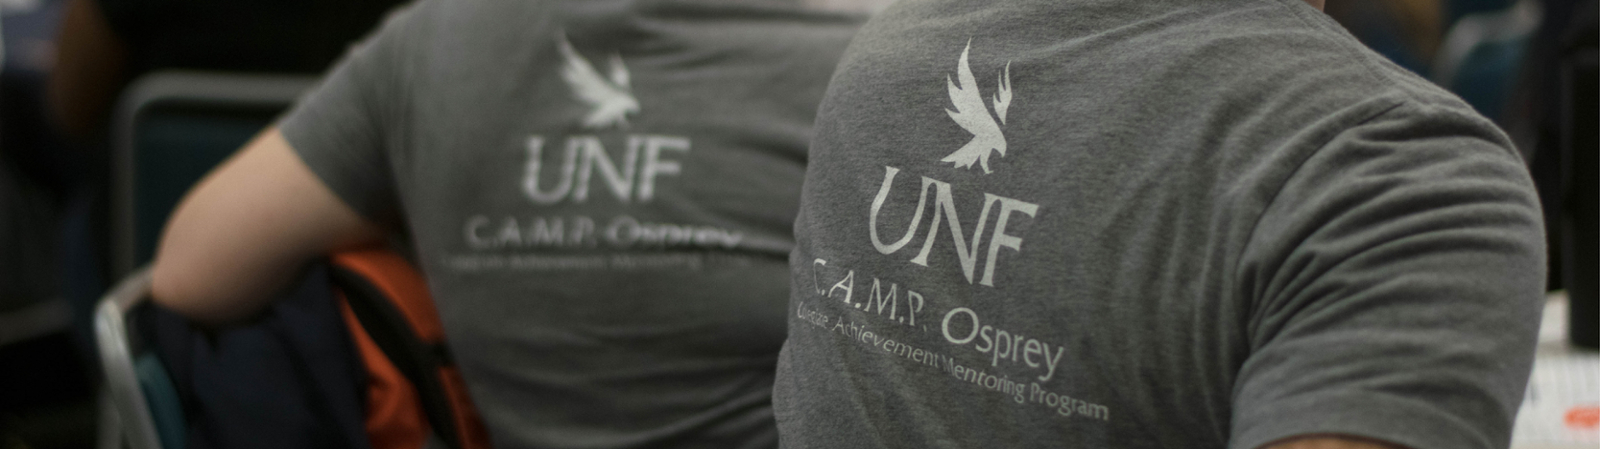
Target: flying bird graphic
{"x":612,"y":99}
{"x":974,"y":117}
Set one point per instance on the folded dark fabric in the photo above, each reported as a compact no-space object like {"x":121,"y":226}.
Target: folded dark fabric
{"x":287,"y":379}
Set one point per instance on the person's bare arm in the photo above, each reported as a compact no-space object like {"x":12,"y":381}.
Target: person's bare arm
{"x":1330,"y":442}
{"x":245,"y":231}
{"x":90,"y":69}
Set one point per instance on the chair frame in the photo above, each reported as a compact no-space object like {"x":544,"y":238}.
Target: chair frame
{"x":126,"y":416}
{"x":132,"y":418}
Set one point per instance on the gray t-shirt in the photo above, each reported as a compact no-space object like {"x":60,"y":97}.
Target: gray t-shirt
{"x":1151,"y":224}
{"x":601,"y":195}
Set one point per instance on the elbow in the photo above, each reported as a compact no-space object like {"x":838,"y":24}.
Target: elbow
{"x":177,"y":285}
{"x":215,"y":285}
{"x":206,"y":285}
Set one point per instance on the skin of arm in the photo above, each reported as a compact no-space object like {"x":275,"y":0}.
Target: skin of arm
{"x":243,"y":233}
{"x":90,"y":69}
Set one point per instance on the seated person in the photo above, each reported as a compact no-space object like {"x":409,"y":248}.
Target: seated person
{"x":600,"y":194}
{"x":1197,"y":224}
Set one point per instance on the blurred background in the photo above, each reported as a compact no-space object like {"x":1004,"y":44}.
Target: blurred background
{"x":70,"y":82}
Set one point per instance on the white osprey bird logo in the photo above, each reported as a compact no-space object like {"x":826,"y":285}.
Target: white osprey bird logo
{"x":974,"y":117}
{"x":612,"y":100}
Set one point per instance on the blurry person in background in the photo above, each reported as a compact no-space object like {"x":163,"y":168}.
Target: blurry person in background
{"x":1547,"y":115}
{"x":67,"y":63}
{"x":1198,"y":224}
{"x":105,"y":44}
{"x":1407,"y":32}
{"x":600,"y":194}
{"x":101,"y":46}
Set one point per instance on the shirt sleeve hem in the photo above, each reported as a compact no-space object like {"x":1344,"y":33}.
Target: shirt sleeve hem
{"x":1393,"y":419}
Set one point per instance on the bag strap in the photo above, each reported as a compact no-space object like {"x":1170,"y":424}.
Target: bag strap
{"x":418,"y":360}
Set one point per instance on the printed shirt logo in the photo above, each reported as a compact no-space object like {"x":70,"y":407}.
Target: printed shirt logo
{"x":974,"y":117}
{"x":623,"y":232}
{"x":611,"y":99}
{"x":896,"y":304}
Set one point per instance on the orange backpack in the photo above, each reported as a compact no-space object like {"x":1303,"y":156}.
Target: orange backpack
{"x":412,"y":384}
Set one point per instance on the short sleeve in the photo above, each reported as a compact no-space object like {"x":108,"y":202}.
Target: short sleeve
{"x":345,"y":129}
{"x":1396,"y":281}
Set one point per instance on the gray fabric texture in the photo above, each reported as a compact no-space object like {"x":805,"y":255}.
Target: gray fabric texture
{"x":601,"y":195}
{"x":1153,"y":224}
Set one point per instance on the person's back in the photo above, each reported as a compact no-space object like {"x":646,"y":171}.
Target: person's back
{"x":600,"y":194}
{"x":1151,"y":224}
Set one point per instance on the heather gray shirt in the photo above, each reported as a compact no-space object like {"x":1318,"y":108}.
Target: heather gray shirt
{"x":600,"y":194}
{"x":1151,"y":224}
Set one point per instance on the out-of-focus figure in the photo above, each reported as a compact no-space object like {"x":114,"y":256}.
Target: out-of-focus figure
{"x":1550,"y":115}
{"x":66,"y":63}
{"x":600,"y":193}
{"x":104,"y":44}
{"x":1406,"y":31}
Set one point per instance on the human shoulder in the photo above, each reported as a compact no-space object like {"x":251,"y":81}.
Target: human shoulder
{"x":1419,"y":168}
{"x":1419,"y":209}
{"x":448,"y":22}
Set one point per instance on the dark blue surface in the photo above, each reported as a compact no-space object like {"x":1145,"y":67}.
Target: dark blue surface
{"x":288,"y":379}
{"x":1487,"y":74}
{"x":172,"y":151}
